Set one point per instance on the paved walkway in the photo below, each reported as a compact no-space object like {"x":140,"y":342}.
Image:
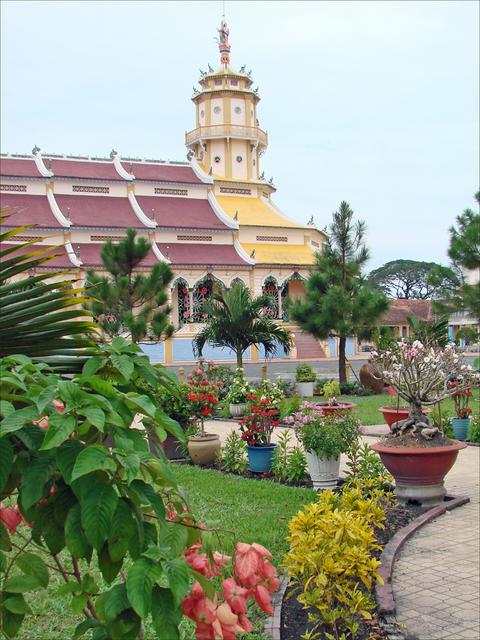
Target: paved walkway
{"x":436,"y":579}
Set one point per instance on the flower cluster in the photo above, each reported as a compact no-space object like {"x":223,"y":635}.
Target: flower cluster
{"x":239,"y":389}
{"x":461,"y":398}
{"x":257,"y":426}
{"x":268,"y":390}
{"x":254,"y":577}
{"x":10,"y":517}
{"x":202,"y":392}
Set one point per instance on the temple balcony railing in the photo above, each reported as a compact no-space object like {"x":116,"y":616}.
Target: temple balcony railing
{"x":254,"y":134}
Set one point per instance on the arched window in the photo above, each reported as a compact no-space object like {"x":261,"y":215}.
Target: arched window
{"x":202,"y":291}
{"x":183,"y":302}
{"x":237,"y":281}
{"x":270,"y":287}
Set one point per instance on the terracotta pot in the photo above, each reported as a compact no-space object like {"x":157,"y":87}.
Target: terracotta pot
{"x":237,"y":410}
{"x":324,"y":472}
{"x":392,"y":414}
{"x":203,"y":449}
{"x":335,"y":408}
{"x":419,"y":472}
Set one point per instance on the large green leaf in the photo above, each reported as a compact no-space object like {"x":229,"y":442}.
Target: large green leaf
{"x":11,"y":622}
{"x":16,"y":604}
{"x":60,"y":427}
{"x":178,"y":575}
{"x":166,"y":616}
{"x":15,"y":421}
{"x":116,"y":602}
{"x":6,"y":461}
{"x":109,"y":568}
{"x":93,"y":458}
{"x":75,"y":537}
{"x":66,"y":456}
{"x":36,"y":476}
{"x":33,"y":565}
{"x":21,"y":584}
{"x":140,"y":580}
{"x":122,"y":531}
{"x":98,"y":507}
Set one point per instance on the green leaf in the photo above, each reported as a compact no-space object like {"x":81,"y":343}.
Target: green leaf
{"x":69,"y":588}
{"x":33,"y":565}
{"x":85,"y":626}
{"x":165,"y":615}
{"x":108,"y":567}
{"x":98,"y":507}
{"x":36,"y":476}
{"x":15,"y":421}
{"x":96,"y":416}
{"x":17,"y":604}
{"x":88,"y":584}
{"x":123,"y":364}
{"x":60,"y":427}
{"x":5,"y":544}
{"x":21,"y":584}
{"x":70,"y":392}
{"x":6,"y":461}
{"x":93,"y":458}
{"x":92,"y":365}
{"x":131,"y":464}
{"x":122,"y":530}
{"x":99,"y":385}
{"x":6,"y":408}
{"x":78,"y":603}
{"x":147,"y":496}
{"x":140,"y":580}
{"x":116,"y":602}
{"x":11,"y":623}
{"x":66,"y":456}
{"x":53,"y":535}
{"x":45,"y":398}
{"x":75,"y":537}
{"x":141,"y":403}
{"x":173,"y":536}
{"x":178,"y":575}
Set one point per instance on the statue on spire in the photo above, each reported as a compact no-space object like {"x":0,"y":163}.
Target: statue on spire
{"x":223,"y":44}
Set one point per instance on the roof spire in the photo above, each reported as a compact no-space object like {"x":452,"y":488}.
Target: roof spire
{"x":223,"y":45}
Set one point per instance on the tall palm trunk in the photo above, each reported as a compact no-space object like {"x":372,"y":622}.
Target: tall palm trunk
{"x":342,"y":365}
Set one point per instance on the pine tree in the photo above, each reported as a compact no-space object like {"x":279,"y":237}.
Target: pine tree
{"x":338,"y":300}
{"x":127,"y":301}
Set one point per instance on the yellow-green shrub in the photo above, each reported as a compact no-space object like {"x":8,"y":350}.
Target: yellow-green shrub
{"x":331,"y":541}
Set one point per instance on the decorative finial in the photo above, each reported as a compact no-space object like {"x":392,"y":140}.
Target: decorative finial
{"x":255,"y":90}
{"x":35,"y":150}
{"x":210,"y":68}
{"x":189,"y":155}
{"x":271,"y":181}
{"x":113,"y":153}
{"x":252,"y":255}
{"x":242,"y":69}
{"x":223,"y":44}
{"x":262,"y":176}
{"x":249,"y":73}
{"x":235,"y":217}
{"x":195,"y":90}
{"x":202,"y":72}
{"x":311,"y":221}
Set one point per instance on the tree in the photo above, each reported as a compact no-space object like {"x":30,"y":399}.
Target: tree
{"x":126,"y":301}
{"x":413,"y":279}
{"x":464,"y":250}
{"x":338,"y":299}
{"x":237,"y":321}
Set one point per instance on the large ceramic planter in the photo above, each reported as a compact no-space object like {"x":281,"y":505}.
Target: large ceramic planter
{"x":324,"y":472}
{"x":305,"y":389}
{"x":328,"y":409}
{"x":171,"y":446}
{"x":237,"y":410}
{"x":260,"y":458}
{"x":419,"y":472}
{"x":204,"y":449}
{"x":392,"y":414}
{"x":460,"y":427}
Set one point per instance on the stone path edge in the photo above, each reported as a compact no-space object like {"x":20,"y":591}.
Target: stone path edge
{"x":384,"y":592}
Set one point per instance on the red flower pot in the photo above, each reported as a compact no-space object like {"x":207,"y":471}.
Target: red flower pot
{"x":335,"y":408}
{"x":392,"y":414}
{"x":419,"y":472}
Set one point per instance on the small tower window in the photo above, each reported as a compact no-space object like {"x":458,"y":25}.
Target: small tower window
{"x":202,"y":113}
{"x":239,"y":158}
{"x":216,"y":110}
{"x":218,"y":81}
{"x":238,"y":110}
{"x":217,"y":159}
{"x":234,"y":83}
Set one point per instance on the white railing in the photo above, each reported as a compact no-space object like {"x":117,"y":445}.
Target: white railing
{"x":227,"y":131}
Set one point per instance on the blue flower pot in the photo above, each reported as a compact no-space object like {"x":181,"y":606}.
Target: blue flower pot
{"x":460,"y":428}
{"x":260,"y":458}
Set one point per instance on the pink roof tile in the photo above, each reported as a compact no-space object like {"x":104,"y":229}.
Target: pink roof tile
{"x":90,"y":255}
{"x":19,"y":167}
{"x":28,"y":209}
{"x":81,"y":169}
{"x":201,"y":254}
{"x":400,"y":309}
{"x":98,"y":211}
{"x":182,"y":213}
{"x":161,"y":172}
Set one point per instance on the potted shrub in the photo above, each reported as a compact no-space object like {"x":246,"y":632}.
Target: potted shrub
{"x":257,"y":428}
{"x":324,"y":438}
{"x":417,"y":453}
{"x":202,"y":398}
{"x":238,"y":391}
{"x":461,"y":420}
{"x":331,"y":390}
{"x":305,"y":377}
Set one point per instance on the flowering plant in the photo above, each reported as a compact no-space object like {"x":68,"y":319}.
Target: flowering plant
{"x":326,"y":435}
{"x":257,"y":426}
{"x":421,"y":375}
{"x":461,"y":400}
{"x":202,"y":394}
{"x":268,"y":390}
{"x":239,"y":388}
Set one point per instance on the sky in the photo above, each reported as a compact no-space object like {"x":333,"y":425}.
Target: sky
{"x":375,"y":103}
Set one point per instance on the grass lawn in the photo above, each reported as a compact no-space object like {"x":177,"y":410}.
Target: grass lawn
{"x":254,"y":511}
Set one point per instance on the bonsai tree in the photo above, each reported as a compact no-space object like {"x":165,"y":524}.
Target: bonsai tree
{"x":338,"y":300}
{"x":237,"y":321}
{"x":422,"y":375}
{"x":126,"y":302}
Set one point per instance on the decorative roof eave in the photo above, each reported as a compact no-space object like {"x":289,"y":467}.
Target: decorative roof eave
{"x":63,"y":220}
{"x":42,"y":169}
{"x":242,"y":253}
{"x":159,"y":255}
{"x":74,"y":259}
{"x":221,"y":215}
{"x":119,"y":168}
{"x":145,"y":220}
{"x":224,"y":91}
{"x":198,"y":171}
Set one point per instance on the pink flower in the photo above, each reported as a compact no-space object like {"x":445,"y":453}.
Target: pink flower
{"x":235,"y":595}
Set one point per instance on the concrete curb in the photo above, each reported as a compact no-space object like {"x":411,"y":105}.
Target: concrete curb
{"x":272,"y":624}
{"x":384,"y":593}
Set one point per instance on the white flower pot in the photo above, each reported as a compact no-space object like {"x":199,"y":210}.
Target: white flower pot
{"x":324,"y":472}
{"x":237,"y":410}
{"x":305,"y":388}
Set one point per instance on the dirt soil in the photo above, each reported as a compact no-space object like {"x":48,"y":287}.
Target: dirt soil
{"x":417,"y":442}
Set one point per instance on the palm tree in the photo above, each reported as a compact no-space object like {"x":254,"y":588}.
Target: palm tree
{"x":238,"y":321}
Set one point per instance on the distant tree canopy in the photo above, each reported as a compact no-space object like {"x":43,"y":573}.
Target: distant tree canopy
{"x":413,"y":279}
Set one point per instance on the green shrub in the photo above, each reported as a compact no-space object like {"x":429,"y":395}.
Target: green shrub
{"x":304,"y":373}
{"x":331,"y":389}
{"x":289,"y":406}
{"x":289,"y":464}
{"x":287,"y":387}
{"x":365,"y":464}
{"x":319,"y":384}
{"x":233,"y":456}
{"x":474,"y":429}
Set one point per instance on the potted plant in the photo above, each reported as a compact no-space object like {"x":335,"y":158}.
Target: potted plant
{"x":395,"y":412}
{"x":305,"y":377}
{"x":331,"y":390}
{"x":461,"y":421}
{"x":178,"y":408}
{"x":417,"y":453}
{"x":324,"y":439}
{"x":257,"y":428}
{"x":271,"y":391}
{"x":202,"y":398}
{"x":238,"y":391}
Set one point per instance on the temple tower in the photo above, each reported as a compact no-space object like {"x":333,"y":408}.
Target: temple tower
{"x":227,"y":140}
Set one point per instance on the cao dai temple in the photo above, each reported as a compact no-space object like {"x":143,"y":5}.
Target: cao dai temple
{"x":212,"y":218}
